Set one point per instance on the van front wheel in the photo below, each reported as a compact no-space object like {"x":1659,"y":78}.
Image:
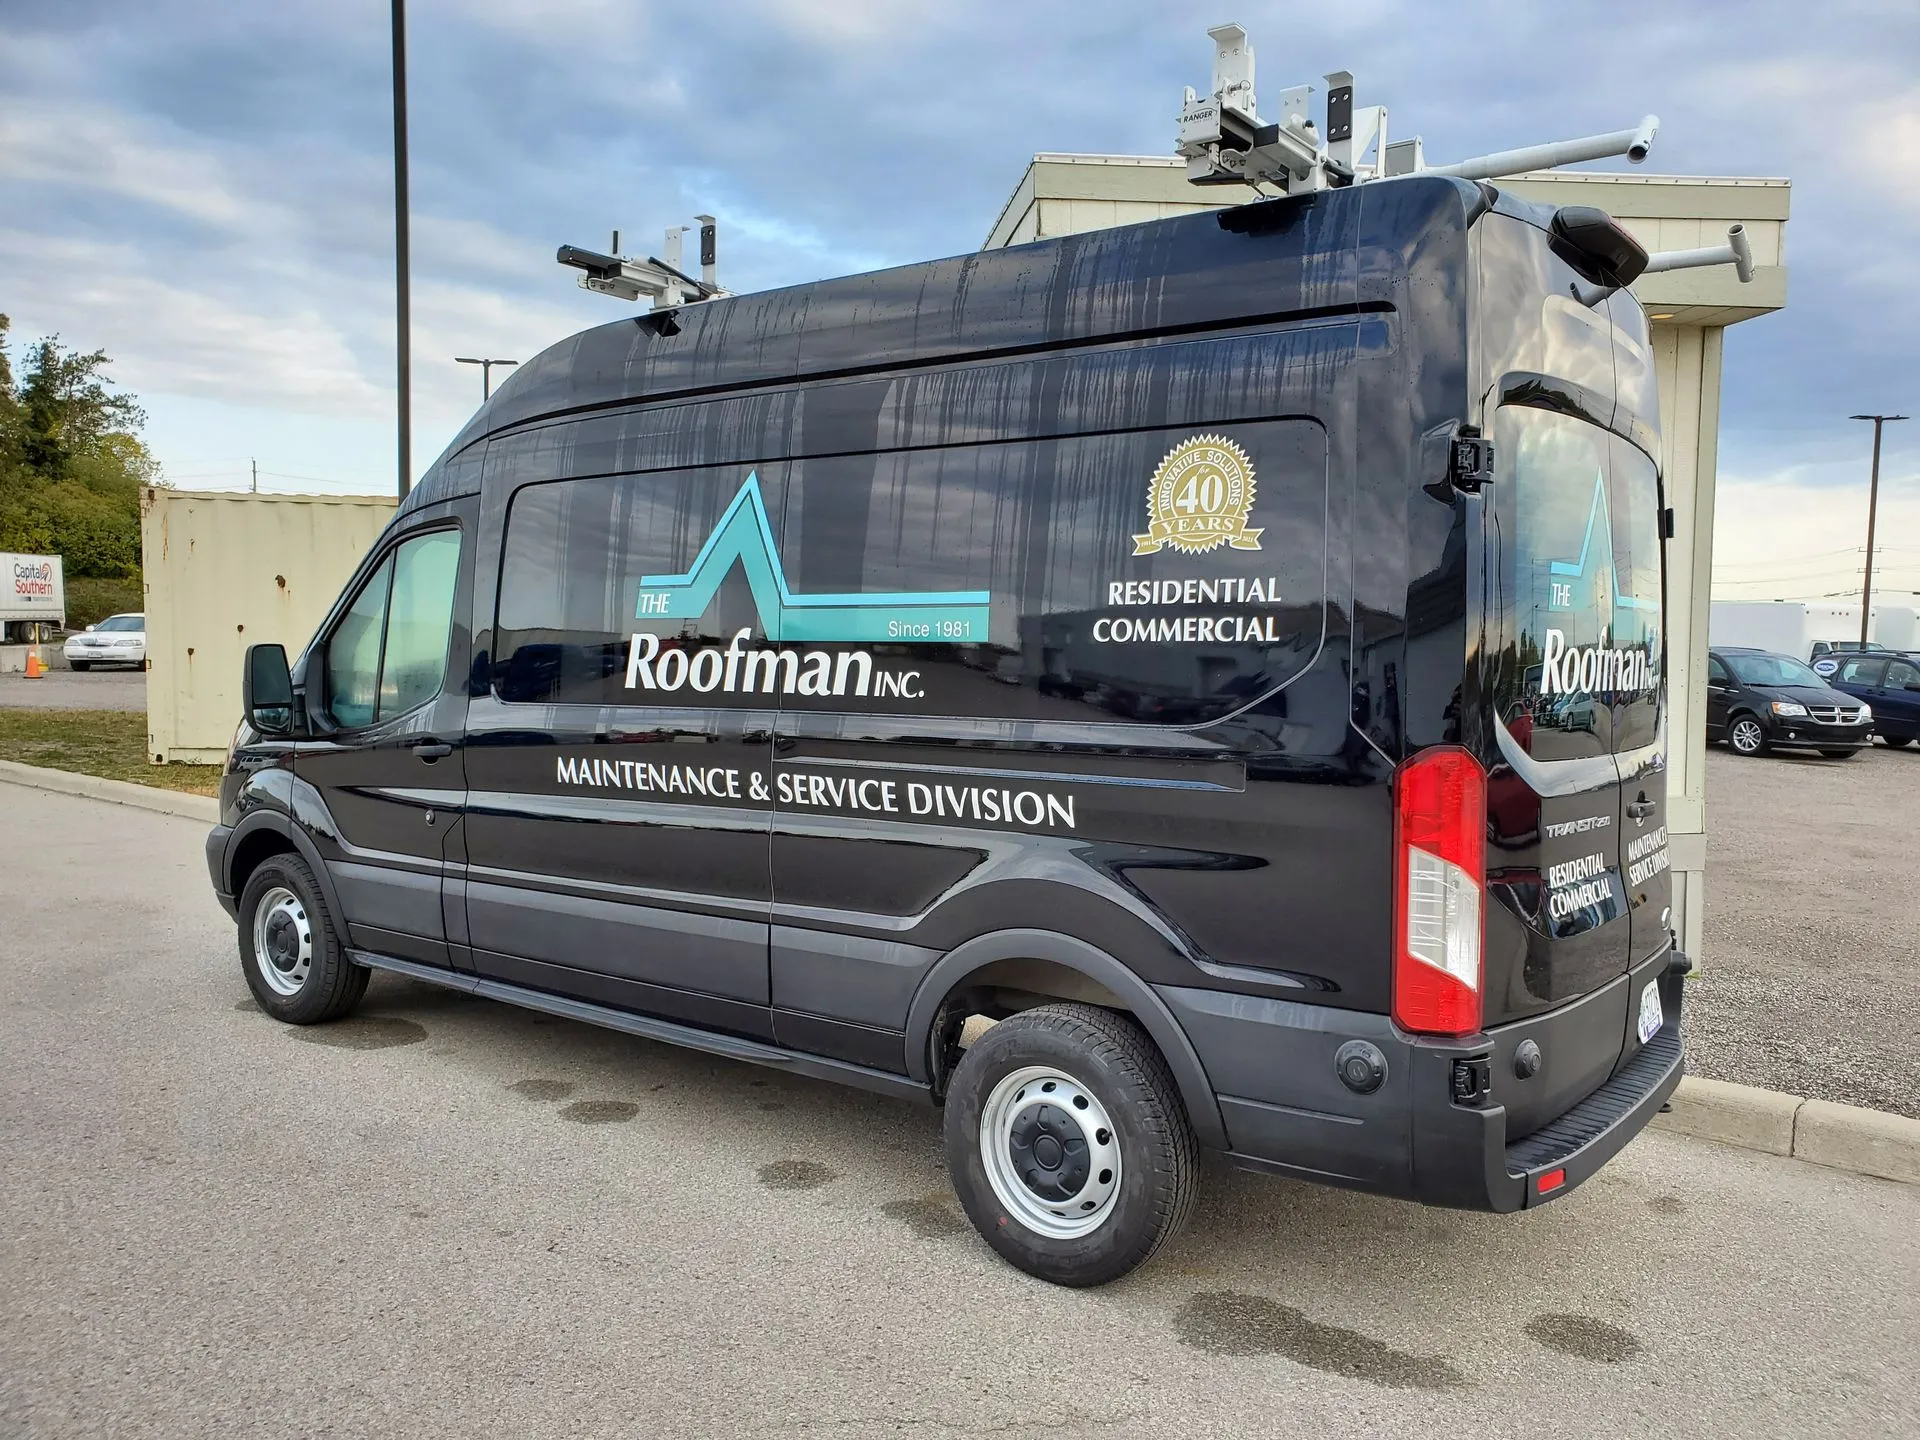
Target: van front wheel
{"x":291,"y":954}
{"x":1068,"y":1144}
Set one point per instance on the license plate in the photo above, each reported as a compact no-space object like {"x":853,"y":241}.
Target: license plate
{"x":1651,"y":1017}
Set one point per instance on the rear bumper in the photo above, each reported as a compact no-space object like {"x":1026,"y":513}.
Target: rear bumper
{"x":1286,"y":1111}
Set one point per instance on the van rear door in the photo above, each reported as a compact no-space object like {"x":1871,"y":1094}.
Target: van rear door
{"x":1640,"y":738}
{"x":1573,"y":667}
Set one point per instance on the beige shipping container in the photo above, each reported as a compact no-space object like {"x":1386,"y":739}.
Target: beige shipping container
{"x":227,"y":571}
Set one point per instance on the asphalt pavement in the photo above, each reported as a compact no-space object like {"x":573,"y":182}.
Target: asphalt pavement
{"x":447,"y":1217}
{"x":64,"y":689}
{"x":1811,"y":978}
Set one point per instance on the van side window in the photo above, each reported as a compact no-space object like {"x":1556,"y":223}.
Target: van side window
{"x":1048,"y":579}
{"x":388,"y":654}
{"x":1900,"y":674}
{"x":1862,"y":671}
{"x":1716,"y":672}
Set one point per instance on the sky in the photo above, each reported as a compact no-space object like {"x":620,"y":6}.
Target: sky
{"x":204,"y":189}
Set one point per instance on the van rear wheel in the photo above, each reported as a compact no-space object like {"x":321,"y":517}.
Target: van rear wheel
{"x":1068,"y":1144}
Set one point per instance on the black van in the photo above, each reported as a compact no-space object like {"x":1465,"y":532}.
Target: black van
{"x":1226,"y":652}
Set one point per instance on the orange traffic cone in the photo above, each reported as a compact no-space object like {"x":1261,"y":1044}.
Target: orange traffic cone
{"x":34,"y":668}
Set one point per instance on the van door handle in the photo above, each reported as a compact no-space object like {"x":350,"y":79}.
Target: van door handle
{"x":430,"y":750}
{"x":1639,"y":809}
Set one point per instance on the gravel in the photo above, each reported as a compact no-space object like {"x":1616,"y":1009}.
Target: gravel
{"x":1811,"y":978}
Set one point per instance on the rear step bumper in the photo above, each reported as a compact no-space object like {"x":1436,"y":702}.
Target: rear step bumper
{"x":1275,"y":1068}
{"x":1462,"y":1158}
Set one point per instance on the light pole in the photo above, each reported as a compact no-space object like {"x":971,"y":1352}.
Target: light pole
{"x":1873,"y":506}
{"x":486,"y":371}
{"x":402,"y":300}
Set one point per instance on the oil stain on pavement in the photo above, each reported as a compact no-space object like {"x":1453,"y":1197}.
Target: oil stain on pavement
{"x":795,"y":1175}
{"x":1224,"y":1322}
{"x":599,"y":1112}
{"x":928,"y":1216}
{"x":365,"y":1032}
{"x":539,"y":1089}
{"x":1584,"y":1338}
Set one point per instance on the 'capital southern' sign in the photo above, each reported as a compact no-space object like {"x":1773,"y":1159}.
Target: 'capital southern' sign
{"x":31,"y":588}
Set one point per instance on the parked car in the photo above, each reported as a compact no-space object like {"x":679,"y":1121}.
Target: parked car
{"x":1891,"y":685}
{"x":1826,"y":654}
{"x":1757,"y":702}
{"x":116,"y":640}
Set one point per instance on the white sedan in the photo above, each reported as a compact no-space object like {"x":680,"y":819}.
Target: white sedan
{"x":116,"y":640}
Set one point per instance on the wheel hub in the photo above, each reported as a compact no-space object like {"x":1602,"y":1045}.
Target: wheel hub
{"x":282,"y":940}
{"x":1050,"y":1152}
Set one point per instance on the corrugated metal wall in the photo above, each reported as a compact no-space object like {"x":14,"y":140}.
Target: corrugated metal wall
{"x":227,"y":571}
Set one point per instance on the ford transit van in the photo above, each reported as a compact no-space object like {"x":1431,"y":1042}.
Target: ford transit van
{"x":1198,"y":685}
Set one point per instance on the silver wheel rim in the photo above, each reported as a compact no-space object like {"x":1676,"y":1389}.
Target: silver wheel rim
{"x":1050,"y":1152}
{"x":282,"y":941}
{"x":1746,"y":736}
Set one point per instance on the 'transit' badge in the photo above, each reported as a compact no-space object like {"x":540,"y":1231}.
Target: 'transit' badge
{"x":1199,"y":499}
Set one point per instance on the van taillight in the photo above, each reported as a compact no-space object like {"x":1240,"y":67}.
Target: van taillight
{"x":1439,"y":884}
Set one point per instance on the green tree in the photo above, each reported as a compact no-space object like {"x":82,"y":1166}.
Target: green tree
{"x":71,"y":462}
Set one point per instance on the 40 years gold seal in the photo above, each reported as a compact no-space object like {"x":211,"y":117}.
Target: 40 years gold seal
{"x":1199,"y":499}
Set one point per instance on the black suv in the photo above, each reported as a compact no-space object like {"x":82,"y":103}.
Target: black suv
{"x":1757,"y":701}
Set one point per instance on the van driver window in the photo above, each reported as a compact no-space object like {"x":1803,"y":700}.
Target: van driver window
{"x":353,"y":654}
{"x":388,"y":654}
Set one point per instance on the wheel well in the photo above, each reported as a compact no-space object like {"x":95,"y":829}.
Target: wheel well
{"x":999,"y":989}
{"x":252,"y":851}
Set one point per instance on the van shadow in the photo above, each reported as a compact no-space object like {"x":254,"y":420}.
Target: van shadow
{"x":811,"y":1142}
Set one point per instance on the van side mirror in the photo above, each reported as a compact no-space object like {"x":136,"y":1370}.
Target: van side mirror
{"x":266,"y":689}
{"x":92,"y":628}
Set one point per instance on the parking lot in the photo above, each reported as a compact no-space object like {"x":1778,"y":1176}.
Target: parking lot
{"x":1812,"y":974}
{"x":449,"y":1217}
{"x":62,"y":689}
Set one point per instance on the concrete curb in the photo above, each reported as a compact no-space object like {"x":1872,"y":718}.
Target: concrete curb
{"x":120,"y":792}
{"x":1842,"y":1137}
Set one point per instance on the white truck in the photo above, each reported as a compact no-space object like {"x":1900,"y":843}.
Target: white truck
{"x":33,"y":591}
{"x":1794,"y":627}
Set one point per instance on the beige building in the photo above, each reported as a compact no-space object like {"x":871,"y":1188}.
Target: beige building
{"x":1690,"y":310}
{"x":227,"y":571}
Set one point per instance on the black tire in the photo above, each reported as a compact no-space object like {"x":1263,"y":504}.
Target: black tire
{"x":1747,"y":736}
{"x":1111,"y":1057}
{"x":1846,"y":754}
{"x":1897,"y":741}
{"x":333,"y":984}
{"x":79,"y":665}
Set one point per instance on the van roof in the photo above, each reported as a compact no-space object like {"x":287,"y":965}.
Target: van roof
{"x":1328,"y":253}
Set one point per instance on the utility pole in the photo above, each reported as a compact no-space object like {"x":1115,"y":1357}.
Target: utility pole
{"x":403,"y":302}
{"x":256,"y":475}
{"x":486,"y":370}
{"x":1873,"y":506}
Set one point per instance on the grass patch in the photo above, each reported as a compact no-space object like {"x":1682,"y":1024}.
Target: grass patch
{"x":108,"y":743}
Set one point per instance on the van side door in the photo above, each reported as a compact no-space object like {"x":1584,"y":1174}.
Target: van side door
{"x":1719,"y":693}
{"x":616,"y":850}
{"x":386,"y":703}
{"x":1896,"y":703}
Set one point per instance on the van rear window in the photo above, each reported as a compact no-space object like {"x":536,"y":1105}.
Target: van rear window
{"x":1582,"y":586}
{"x":1171,"y":577}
